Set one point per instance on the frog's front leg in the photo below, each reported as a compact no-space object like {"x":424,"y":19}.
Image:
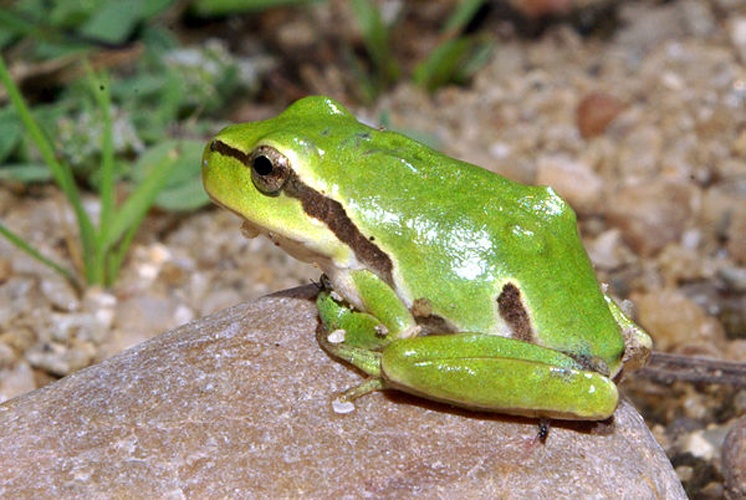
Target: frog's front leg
{"x":353,"y":337}
{"x":379,"y":300}
{"x":342,"y":327}
{"x":367,"y":360}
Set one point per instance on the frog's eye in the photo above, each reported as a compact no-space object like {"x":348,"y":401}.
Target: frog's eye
{"x":270,"y":170}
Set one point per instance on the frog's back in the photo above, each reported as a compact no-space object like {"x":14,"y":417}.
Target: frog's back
{"x":508,"y":257}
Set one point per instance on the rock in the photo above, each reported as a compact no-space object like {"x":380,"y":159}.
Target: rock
{"x":238,"y":404}
{"x":734,"y":461}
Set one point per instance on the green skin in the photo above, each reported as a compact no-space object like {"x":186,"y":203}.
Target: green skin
{"x":416,"y":243}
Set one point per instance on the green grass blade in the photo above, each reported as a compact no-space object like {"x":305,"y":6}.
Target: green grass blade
{"x":115,"y":258}
{"x":15,"y":24}
{"x":441,"y":64}
{"x":99,"y":83}
{"x":23,"y":245}
{"x":224,"y":7}
{"x":128,"y":218}
{"x":62,"y":175}
{"x":465,"y":11}
{"x":376,"y":37}
{"x":132,"y":211}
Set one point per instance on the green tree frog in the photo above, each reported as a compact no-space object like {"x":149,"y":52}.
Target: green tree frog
{"x":445,"y":280}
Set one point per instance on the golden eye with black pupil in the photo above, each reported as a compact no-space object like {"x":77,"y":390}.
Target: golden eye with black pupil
{"x":270,"y":170}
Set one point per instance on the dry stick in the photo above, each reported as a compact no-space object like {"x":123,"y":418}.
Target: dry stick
{"x":666,"y":368}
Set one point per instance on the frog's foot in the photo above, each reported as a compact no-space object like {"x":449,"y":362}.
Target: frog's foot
{"x":345,"y":402}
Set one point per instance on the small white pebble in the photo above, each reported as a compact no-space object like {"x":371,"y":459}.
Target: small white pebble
{"x":698,"y":446}
{"x":691,"y":239}
{"x":672,"y":81}
{"x":183,"y":314}
{"x":342,"y":407}
{"x":737,"y":31}
{"x":159,"y":253}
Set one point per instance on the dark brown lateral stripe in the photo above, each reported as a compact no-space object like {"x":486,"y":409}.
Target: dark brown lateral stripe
{"x":328,"y":211}
{"x":226,"y":150}
{"x":513,"y":312}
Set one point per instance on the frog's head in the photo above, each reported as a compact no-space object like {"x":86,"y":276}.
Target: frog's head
{"x":275,"y":174}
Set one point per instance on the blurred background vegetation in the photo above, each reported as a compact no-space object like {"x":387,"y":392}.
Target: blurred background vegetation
{"x":117,"y":97}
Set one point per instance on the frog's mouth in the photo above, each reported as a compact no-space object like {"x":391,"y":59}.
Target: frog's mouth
{"x":293,"y":247}
{"x":248,"y":228}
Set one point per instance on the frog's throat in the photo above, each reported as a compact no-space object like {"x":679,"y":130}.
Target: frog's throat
{"x":330,"y":212}
{"x":333,"y":215}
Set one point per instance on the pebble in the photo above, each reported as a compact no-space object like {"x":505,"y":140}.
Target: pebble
{"x":651,"y":215}
{"x":60,"y":293}
{"x":734,"y":278}
{"x":737,"y":32}
{"x":606,"y":251}
{"x":737,"y":236}
{"x":7,"y":356}
{"x":16,"y":381}
{"x":574,"y":180}
{"x":61,"y":359}
{"x":698,"y":446}
{"x":596,"y":111}
{"x":679,"y":325}
{"x":6,"y":269}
